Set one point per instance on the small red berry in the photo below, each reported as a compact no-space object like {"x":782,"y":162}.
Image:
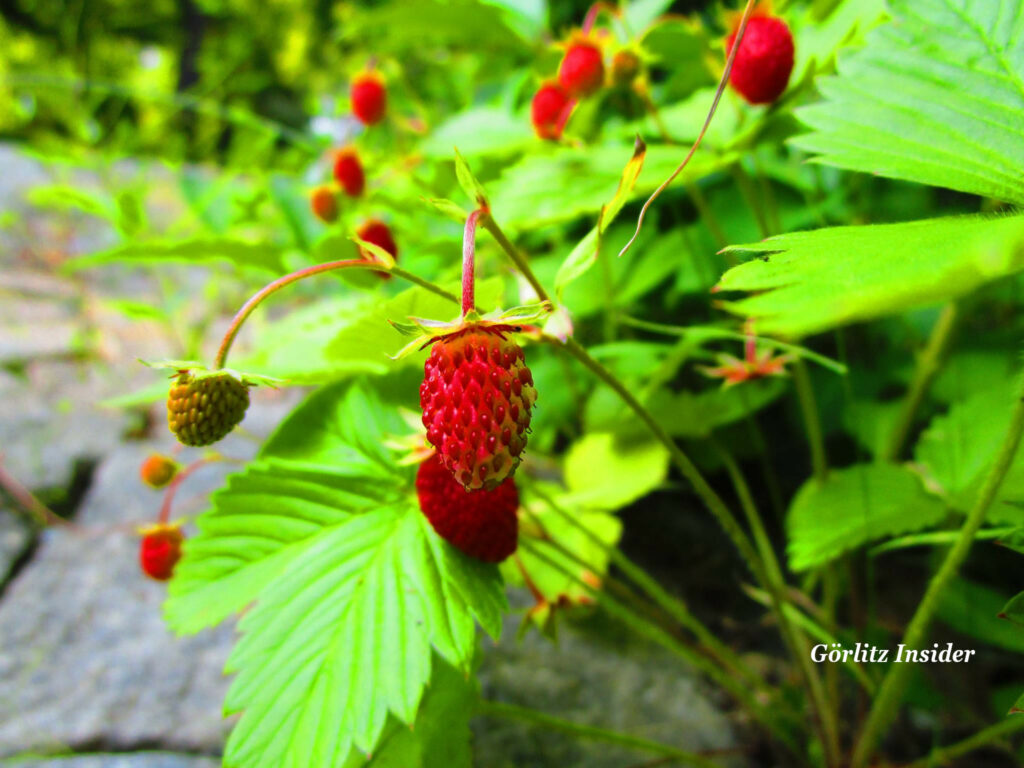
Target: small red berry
{"x":582,"y":70}
{"x":158,"y":470}
{"x":160,"y":550}
{"x":548,"y":110}
{"x":369,"y":97}
{"x":324,"y":203}
{"x":348,"y":172}
{"x":483,"y":524}
{"x":477,"y":395}
{"x":377,"y":232}
{"x":764,"y":61}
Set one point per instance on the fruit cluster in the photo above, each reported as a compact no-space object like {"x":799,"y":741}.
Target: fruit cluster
{"x":760,"y":71}
{"x":368,"y":96}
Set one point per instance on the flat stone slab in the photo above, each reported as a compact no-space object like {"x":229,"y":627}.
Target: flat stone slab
{"x":86,"y":661}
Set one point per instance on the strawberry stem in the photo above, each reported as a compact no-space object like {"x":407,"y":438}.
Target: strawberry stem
{"x":172,"y":488}
{"x":747,"y":11}
{"x":469,"y":260}
{"x":247,"y":309}
{"x":591,"y":18}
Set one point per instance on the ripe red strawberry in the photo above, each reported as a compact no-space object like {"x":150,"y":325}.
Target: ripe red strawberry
{"x":324,"y":203}
{"x":548,"y":110}
{"x":483,"y":524}
{"x":477,"y":395}
{"x":158,"y":470}
{"x":348,"y":172}
{"x":369,"y":97}
{"x":204,"y":407}
{"x":581,"y":72}
{"x":764,"y":61}
{"x":160,"y":550}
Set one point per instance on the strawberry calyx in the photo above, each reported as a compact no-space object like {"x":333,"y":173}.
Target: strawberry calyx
{"x":500,"y":322}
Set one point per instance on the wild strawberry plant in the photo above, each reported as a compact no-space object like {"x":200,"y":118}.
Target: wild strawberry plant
{"x":665,"y":299}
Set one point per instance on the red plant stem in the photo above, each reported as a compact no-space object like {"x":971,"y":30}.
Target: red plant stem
{"x":172,"y":489}
{"x":469,"y":260}
{"x":274,"y":287}
{"x":593,"y":11}
{"x":700,"y":137}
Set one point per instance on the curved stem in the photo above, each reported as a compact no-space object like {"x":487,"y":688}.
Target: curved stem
{"x":740,"y":31}
{"x":42,"y":513}
{"x":268,"y":290}
{"x":172,"y":488}
{"x":812,"y":423}
{"x":896,"y":677}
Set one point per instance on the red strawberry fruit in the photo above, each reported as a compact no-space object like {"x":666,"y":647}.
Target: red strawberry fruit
{"x":348,"y":172}
{"x":483,"y":524}
{"x":548,"y":110}
{"x":324,"y":203}
{"x":160,"y":550}
{"x":369,"y":97}
{"x":581,"y":72}
{"x":377,"y":232}
{"x":477,"y":396}
{"x":764,"y":61}
{"x":158,"y":470}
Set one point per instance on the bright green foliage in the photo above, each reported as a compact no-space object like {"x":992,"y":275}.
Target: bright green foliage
{"x":244,"y":253}
{"x":934,"y":97}
{"x":602,"y":473}
{"x":809,"y":282}
{"x":973,"y":609}
{"x":351,"y":588}
{"x":855,"y":506}
{"x":958,"y":447}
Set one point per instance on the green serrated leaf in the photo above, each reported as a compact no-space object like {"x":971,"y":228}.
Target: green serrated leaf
{"x":936,"y":96}
{"x":973,"y":609}
{"x":856,"y":506}
{"x":808,"y":282}
{"x":351,"y":589}
{"x":604,"y":473}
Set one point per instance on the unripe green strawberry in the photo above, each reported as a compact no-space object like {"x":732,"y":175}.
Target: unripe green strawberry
{"x":477,"y":396}
{"x":203,"y":408}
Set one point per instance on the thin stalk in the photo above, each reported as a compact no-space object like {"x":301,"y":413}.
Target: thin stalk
{"x":746,"y":187}
{"x":686,"y":467}
{"x":271,"y":288}
{"x":740,"y":32}
{"x":794,"y":638}
{"x":928,"y":366}
{"x":469,"y":261}
{"x":809,"y":410}
{"x":943,"y":755}
{"x":674,"y":606}
{"x":880,"y":716}
{"x":27,"y":500}
{"x":710,"y":220}
{"x":656,"y":634}
{"x":594,"y":733}
{"x":172,"y":488}
{"x":516,"y":255}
